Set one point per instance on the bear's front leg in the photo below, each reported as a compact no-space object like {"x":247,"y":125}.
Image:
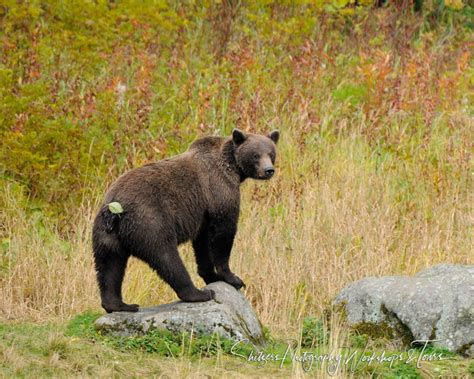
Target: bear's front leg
{"x":204,"y":262}
{"x":221,"y":238}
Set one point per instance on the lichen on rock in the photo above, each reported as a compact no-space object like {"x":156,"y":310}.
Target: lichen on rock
{"x":436,"y":304}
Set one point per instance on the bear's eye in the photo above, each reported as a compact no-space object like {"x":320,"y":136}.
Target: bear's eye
{"x":256,"y":156}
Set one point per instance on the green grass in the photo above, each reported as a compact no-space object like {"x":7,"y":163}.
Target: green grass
{"x":161,"y":342}
{"x":76,"y":348}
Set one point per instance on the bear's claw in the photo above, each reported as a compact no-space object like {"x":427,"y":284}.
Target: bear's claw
{"x":234,"y":281}
{"x":120,"y":307}
{"x":197,"y":296}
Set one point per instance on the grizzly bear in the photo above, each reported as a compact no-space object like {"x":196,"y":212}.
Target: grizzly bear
{"x":194,"y":196}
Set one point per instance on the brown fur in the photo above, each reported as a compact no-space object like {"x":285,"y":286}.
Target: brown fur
{"x":193,"y":196}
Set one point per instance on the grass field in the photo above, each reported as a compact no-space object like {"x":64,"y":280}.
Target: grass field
{"x":374,"y":167}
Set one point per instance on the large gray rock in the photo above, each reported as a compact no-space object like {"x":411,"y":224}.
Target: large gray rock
{"x":230,"y":315}
{"x":437,"y":303}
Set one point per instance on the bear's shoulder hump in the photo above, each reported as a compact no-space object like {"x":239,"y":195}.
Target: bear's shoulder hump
{"x":207,"y":143}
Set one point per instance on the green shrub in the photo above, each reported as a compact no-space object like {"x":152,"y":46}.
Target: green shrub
{"x":314,"y":332}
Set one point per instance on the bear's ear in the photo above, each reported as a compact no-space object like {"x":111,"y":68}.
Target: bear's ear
{"x":238,"y":136}
{"x":274,"y":136}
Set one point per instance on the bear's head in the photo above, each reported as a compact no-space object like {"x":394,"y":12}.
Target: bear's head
{"x":255,"y":154}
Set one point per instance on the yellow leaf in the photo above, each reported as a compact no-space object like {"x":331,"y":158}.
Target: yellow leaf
{"x":115,"y":207}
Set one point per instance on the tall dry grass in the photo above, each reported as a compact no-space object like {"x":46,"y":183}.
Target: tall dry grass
{"x":332,"y":215}
{"x":374,"y":164}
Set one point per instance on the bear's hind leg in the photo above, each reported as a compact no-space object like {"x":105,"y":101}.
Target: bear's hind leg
{"x":110,"y":267}
{"x":169,"y":266}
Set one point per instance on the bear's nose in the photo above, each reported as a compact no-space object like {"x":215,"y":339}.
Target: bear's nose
{"x":269,"y":171}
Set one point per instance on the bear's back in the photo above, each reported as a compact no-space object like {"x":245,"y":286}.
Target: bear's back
{"x":208,"y":144}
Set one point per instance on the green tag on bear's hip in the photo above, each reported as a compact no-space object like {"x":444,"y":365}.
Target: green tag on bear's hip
{"x":115,"y":208}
